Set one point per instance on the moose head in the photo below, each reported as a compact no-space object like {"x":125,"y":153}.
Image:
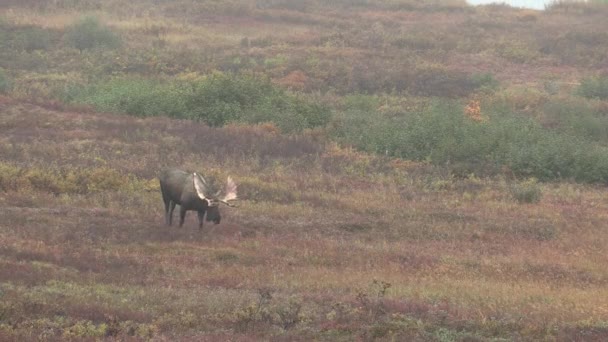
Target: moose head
{"x":213,"y":200}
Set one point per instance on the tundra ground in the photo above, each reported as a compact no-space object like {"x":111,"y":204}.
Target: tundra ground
{"x":437,"y":233}
{"x":327,"y":243}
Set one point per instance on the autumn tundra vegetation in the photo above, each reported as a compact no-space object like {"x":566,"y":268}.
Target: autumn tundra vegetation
{"x":407,"y":170}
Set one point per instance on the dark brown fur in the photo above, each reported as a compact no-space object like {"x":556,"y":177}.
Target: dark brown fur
{"x":177,"y":187}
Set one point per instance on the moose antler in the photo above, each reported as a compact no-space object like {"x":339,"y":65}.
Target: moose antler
{"x":229,"y":193}
{"x":200,"y":185}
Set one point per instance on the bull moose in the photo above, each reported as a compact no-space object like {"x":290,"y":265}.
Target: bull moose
{"x":192,"y":193}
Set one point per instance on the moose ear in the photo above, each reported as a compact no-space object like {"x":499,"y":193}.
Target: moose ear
{"x":199,"y":185}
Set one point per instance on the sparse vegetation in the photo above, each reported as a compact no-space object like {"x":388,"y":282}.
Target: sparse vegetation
{"x":407,"y":170}
{"x":527,"y":191}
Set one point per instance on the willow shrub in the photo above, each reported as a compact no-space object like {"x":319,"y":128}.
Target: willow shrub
{"x":443,"y":135}
{"x":594,"y":87}
{"x":217,"y":99}
{"x":134,"y":96}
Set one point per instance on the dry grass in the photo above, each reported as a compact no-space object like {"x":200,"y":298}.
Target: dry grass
{"x":316,"y":228}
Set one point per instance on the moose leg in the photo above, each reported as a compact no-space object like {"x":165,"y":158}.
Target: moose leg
{"x":167,"y":202}
{"x":167,"y":206}
{"x":182,"y":215}
{"x":170,"y":212}
{"x":201,"y":216}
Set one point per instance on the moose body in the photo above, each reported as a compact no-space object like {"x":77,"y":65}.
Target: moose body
{"x":190,"y":191}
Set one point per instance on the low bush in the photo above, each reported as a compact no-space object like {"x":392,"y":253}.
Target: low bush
{"x":66,"y":181}
{"x":135,"y":96}
{"x":517,"y":51}
{"x":518,"y":100}
{"x":527,"y":191}
{"x":88,"y":33}
{"x":285,"y":313}
{"x":216,"y":100}
{"x":485,"y":81}
{"x":594,"y":87}
{"x":221,"y":98}
{"x":577,"y":116}
{"x":443,"y":135}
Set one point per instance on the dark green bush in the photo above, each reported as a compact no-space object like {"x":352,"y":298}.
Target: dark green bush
{"x":485,"y":81}
{"x":594,"y":87}
{"x":527,"y":191}
{"x":222,"y":98}
{"x":577,"y":116}
{"x":443,"y":135}
{"x":88,"y":33}
{"x":215,"y":100}
{"x":141,"y":97}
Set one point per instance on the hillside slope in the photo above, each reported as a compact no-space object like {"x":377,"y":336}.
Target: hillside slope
{"x":327,"y":243}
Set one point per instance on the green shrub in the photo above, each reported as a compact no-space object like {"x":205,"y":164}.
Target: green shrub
{"x":10,"y":177}
{"x":216,"y":100}
{"x":594,"y":87}
{"x":88,"y":33}
{"x":5,"y":82}
{"x":85,"y":329}
{"x":577,"y":116}
{"x":485,"y":81}
{"x":135,"y":96}
{"x":527,"y":191}
{"x":289,"y":112}
{"x":518,"y":99}
{"x":361,"y":102}
{"x":222,"y":98}
{"x":517,"y":51}
{"x":443,"y":135}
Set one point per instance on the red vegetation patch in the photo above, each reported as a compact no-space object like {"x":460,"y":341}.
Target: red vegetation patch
{"x":295,"y":80}
{"x":4,"y":100}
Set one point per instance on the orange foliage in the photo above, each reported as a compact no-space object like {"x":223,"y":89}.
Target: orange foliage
{"x":295,"y":80}
{"x":261,"y":128}
{"x":406,"y":165}
{"x":473,"y":111}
